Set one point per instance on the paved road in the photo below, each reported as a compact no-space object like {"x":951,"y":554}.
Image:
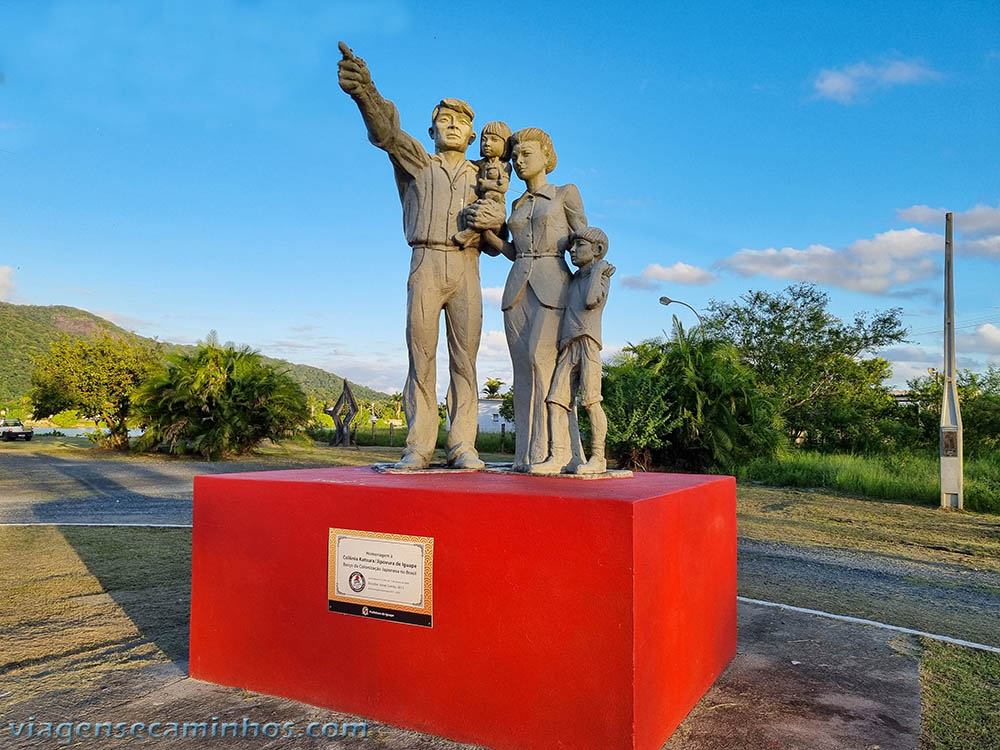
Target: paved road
{"x":948,"y":600}
{"x":36,"y":487}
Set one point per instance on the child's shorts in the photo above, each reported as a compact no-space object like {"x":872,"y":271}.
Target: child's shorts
{"x":583,"y":356}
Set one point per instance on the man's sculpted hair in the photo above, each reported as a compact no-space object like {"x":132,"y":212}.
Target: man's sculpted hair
{"x":540,"y":137}
{"x":591,"y":234}
{"x":455,"y":105}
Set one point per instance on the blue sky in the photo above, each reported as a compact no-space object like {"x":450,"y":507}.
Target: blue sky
{"x":180,"y":167}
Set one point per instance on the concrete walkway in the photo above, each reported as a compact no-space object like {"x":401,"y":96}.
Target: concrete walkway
{"x":799,"y":682}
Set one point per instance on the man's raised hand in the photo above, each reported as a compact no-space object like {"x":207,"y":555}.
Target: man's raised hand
{"x":352,"y":72}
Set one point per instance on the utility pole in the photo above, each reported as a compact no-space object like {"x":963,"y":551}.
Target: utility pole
{"x":951,"y":415}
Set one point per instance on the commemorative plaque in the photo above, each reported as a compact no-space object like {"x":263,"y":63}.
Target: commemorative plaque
{"x":381,"y":576}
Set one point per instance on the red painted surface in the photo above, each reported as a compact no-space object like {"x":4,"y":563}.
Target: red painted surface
{"x":589,"y":615}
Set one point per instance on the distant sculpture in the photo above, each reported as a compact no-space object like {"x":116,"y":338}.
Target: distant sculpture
{"x":343,"y":413}
{"x":579,"y":365}
{"x":541,"y":222}
{"x":494,"y":175}
{"x":433,"y":189}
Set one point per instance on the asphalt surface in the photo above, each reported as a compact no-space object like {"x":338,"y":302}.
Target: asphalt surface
{"x":955,"y":601}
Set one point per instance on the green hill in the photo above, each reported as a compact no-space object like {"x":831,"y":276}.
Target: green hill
{"x":27,"y":330}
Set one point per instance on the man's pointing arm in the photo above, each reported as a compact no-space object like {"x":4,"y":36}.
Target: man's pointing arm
{"x":379,"y":114}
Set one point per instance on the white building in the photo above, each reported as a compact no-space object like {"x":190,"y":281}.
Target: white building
{"x":489,"y":416}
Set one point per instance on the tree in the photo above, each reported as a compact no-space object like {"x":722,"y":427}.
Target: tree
{"x":98,"y":377}
{"x":687,"y":403}
{"x":219,"y":400}
{"x":979,"y":397}
{"x":507,"y":406}
{"x":491,"y":389}
{"x":806,"y":356}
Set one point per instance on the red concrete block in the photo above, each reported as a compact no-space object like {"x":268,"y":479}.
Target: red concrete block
{"x":566,"y":613}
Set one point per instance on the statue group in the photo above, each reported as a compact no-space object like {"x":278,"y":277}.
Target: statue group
{"x":454,"y":210}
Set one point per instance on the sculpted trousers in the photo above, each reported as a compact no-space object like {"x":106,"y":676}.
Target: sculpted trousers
{"x":533,"y":338}
{"x":442,"y":280}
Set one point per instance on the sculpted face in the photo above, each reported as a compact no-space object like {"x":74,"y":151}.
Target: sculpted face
{"x":491,"y":146}
{"x":582,"y":252}
{"x":528,"y":158}
{"x":451,"y":131}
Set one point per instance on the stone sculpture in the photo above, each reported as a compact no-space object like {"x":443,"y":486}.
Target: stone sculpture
{"x":578,"y":367}
{"x":444,"y":276}
{"x":494,"y":174}
{"x":541,"y":222}
{"x":343,"y":413}
{"x":453,"y":209}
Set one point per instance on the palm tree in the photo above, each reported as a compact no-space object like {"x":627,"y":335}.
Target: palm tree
{"x":219,"y":400}
{"x":491,"y":389}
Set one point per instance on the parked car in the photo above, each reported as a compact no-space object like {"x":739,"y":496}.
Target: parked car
{"x":14,"y":429}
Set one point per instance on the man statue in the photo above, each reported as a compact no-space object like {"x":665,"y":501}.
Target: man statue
{"x":434,"y":189}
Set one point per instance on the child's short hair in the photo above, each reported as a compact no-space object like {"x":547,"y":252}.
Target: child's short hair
{"x":502,"y":130}
{"x":594,"y":235}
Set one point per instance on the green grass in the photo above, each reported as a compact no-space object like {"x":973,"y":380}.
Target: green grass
{"x":487,"y":442}
{"x":960,"y":696}
{"x":901,"y":477}
{"x":77,"y":604}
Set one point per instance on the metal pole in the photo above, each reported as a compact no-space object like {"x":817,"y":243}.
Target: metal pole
{"x":951,"y":415}
{"x":666,"y":301}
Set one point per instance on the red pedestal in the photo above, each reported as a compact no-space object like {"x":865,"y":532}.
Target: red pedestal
{"x":566,"y":613}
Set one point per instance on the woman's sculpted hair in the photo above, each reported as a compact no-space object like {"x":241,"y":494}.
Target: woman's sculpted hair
{"x":540,"y":137}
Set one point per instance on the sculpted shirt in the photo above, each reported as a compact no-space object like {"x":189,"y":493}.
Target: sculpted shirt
{"x":433,"y":194}
{"x":540,"y":224}
{"x":578,"y":320}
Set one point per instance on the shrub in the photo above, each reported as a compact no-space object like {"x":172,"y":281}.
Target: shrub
{"x":688,"y":403}
{"x":219,"y":400}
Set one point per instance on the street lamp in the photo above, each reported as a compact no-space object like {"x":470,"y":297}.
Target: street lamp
{"x":666,"y":301}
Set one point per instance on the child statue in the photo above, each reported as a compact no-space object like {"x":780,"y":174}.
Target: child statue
{"x":578,"y":367}
{"x":493,"y":177}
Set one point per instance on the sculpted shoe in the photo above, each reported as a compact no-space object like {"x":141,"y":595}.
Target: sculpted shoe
{"x":595,"y":465}
{"x":551,"y":466}
{"x":412,"y":462}
{"x":467,"y":460}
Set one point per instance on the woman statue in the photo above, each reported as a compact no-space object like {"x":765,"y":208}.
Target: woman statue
{"x":534,"y":297}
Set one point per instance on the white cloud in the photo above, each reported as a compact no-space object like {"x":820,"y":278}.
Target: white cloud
{"x":986,"y":339}
{"x":875,"y":265}
{"x":979,"y":221}
{"x":6,"y":282}
{"x":493,"y":295}
{"x":916,"y":354}
{"x":493,"y":344}
{"x":847,"y":83}
{"x":678,"y":273}
{"x":985,"y":246}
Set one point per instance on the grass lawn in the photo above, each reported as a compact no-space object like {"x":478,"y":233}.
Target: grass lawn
{"x":960,"y":697}
{"x":810,"y":518}
{"x":903,"y":477}
{"x":77,"y":603}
